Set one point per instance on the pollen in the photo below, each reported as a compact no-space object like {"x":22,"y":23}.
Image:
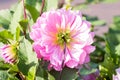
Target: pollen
{"x":63,"y":37}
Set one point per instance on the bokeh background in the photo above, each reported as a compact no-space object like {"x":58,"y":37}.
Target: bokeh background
{"x":101,"y":13}
{"x":103,"y":10}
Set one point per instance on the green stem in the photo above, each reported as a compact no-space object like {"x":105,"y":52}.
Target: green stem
{"x":25,"y":17}
{"x":42,"y":7}
{"x":61,"y":3}
{"x":64,"y":51}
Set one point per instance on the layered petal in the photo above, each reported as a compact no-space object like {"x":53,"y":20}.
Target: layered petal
{"x":62,"y":38}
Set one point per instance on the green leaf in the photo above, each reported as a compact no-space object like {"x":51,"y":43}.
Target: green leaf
{"x":92,"y":69}
{"x":28,"y":60}
{"x":98,"y":23}
{"x":85,"y":71}
{"x":33,"y":11}
{"x":5,"y":18}
{"x":24,"y":24}
{"x":17,"y":35}
{"x":13,"y":69}
{"x":66,"y":74}
{"x":117,"y":49}
{"x":50,"y":77}
{"x":17,"y":16}
{"x":114,"y":31}
{"x":3,"y":75}
{"x":110,"y":48}
{"x":5,"y":35}
{"x":41,"y":73}
{"x":116,"y":20}
{"x":4,"y":66}
{"x":51,"y":4}
{"x":107,"y":67}
{"x":31,"y":2}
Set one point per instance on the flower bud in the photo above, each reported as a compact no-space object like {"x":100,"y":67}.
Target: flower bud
{"x":9,"y":53}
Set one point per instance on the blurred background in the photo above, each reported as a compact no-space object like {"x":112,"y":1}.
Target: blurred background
{"x":102,"y":9}
{"x":105,"y":18}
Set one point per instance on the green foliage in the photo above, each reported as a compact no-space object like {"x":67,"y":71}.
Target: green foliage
{"x":51,"y":4}
{"x":64,"y":74}
{"x":95,"y":21}
{"x":4,"y":75}
{"x":114,"y":31}
{"x":28,"y":60}
{"x":34,"y":13}
{"x":5,"y":18}
{"x":31,"y":2}
{"x":41,"y":73}
{"x":24,"y":24}
{"x":5,"y":36}
{"x":4,"y":66}
{"x":118,"y":50}
{"x":17,"y":35}
{"x":111,"y":58}
{"x":92,"y":68}
{"x":17,"y":16}
{"x":15,"y":28}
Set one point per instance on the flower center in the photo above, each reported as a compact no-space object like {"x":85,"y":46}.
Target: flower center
{"x":63,"y":37}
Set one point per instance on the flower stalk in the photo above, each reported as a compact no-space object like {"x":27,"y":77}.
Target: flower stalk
{"x":42,"y":7}
{"x":25,"y":17}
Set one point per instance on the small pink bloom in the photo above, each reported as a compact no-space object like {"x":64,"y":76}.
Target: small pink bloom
{"x":8,"y":53}
{"x":62,"y":38}
{"x":117,"y":77}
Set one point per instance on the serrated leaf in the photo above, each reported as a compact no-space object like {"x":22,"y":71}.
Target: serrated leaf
{"x":28,"y":60}
{"x":5,"y":18}
{"x":17,"y":16}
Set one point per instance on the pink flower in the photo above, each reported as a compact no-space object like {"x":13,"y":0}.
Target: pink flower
{"x":8,"y":53}
{"x":62,"y":38}
{"x":117,"y":77}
